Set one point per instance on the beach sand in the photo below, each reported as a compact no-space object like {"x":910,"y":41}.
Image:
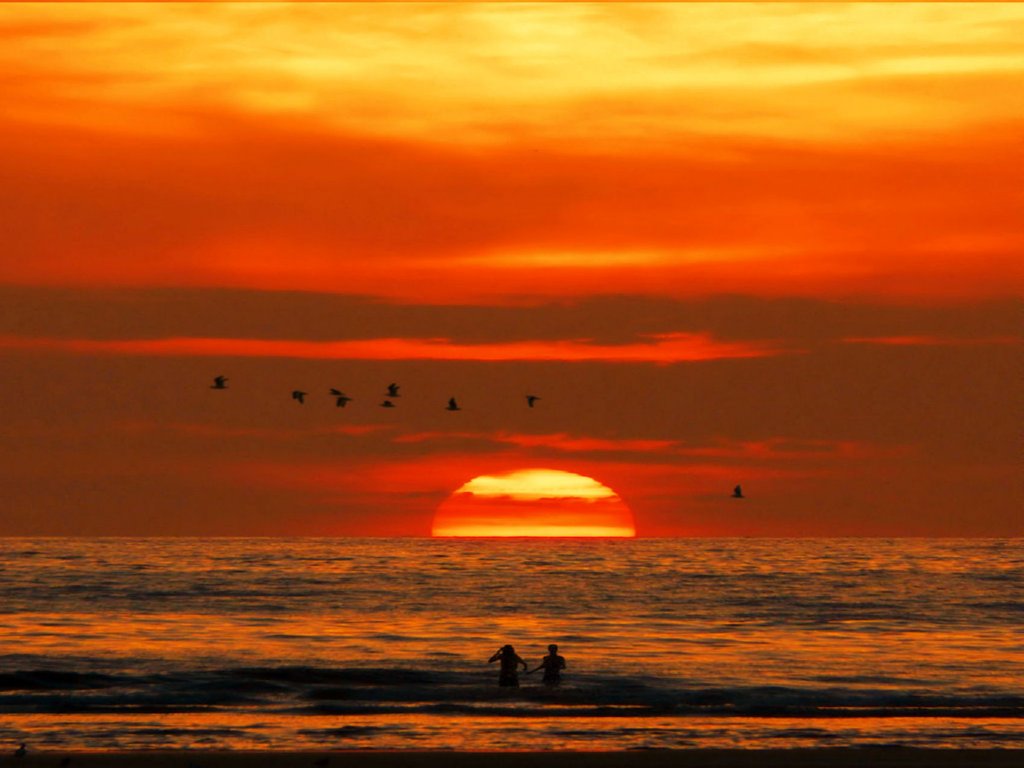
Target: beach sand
{"x":696,"y":758}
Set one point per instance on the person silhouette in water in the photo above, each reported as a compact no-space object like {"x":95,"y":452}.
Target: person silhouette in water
{"x":552,"y":664}
{"x":510,"y":661}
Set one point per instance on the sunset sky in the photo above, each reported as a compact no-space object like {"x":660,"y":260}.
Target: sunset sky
{"x":776,"y":245}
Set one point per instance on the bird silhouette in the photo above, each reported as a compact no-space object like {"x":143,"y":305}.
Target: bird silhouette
{"x":21,"y":751}
{"x":452,"y":405}
{"x":531,"y":399}
{"x":341,"y":399}
{"x":393,"y":390}
{"x":300,"y":396}
{"x":219,"y":382}
{"x":737,"y":492}
{"x":337,"y":392}
{"x":387,"y":404}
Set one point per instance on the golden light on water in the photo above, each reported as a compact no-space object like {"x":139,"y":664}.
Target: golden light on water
{"x":534,"y":502}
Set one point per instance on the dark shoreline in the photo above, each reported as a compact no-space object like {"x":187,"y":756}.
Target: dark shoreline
{"x":828,"y":757}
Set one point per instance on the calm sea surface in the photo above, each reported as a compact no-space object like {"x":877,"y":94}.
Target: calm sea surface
{"x":383,"y":643}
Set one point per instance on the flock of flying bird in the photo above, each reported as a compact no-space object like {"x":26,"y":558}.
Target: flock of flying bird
{"x":341,"y":400}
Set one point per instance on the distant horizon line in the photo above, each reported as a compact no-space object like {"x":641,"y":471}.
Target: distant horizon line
{"x":495,"y":538}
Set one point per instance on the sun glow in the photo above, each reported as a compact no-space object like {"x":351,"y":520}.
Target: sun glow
{"x":534,"y":502}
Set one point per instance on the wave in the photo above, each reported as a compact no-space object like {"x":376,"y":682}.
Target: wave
{"x":384,"y":690}
{"x":47,"y":680}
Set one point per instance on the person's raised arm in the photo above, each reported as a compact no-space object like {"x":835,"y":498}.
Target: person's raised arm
{"x":494,"y":658}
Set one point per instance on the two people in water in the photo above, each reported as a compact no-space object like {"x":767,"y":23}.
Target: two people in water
{"x":552,"y":664}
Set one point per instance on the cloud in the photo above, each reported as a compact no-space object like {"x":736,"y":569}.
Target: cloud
{"x":134,"y":313}
{"x":768,"y":450}
{"x":221,"y":431}
{"x":931,"y":341}
{"x":275,"y":207}
{"x":583,"y":443}
{"x":488,"y":73}
{"x":537,"y":151}
{"x":662,"y":349}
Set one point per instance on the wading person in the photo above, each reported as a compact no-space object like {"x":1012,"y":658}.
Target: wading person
{"x":552,"y":664}
{"x":510,"y":661}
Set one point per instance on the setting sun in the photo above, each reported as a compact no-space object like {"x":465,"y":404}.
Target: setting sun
{"x":534,"y":502}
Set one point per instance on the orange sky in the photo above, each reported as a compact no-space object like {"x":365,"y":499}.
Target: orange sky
{"x":776,"y":244}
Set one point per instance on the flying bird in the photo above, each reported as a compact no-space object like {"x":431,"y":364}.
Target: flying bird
{"x":452,"y":405}
{"x":219,"y":382}
{"x":387,"y":404}
{"x":531,"y":399}
{"x":337,"y":392}
{"x":340,"y":398}
{"x":393,"y":390}
{"x":300,"y":396}
{"x":737,"y":492}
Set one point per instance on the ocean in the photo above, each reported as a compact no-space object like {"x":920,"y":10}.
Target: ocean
{"x":321,"y":644}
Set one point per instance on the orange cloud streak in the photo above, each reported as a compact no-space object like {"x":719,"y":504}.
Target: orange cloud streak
{"x":934,"y":341}
{"x":663,"y":348}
